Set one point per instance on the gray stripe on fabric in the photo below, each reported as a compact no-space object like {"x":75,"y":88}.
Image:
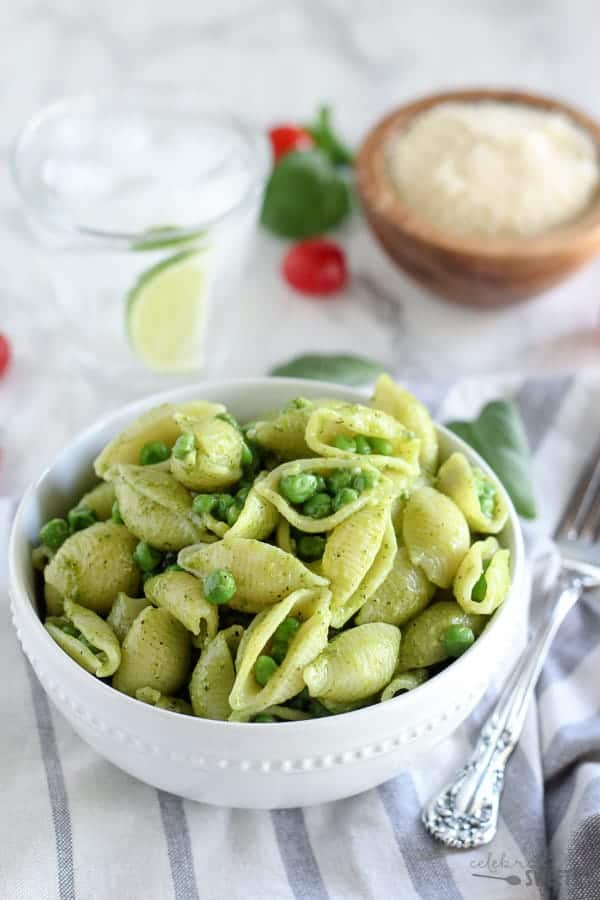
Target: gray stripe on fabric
{"x":425,"y":863}
{"x":578,"y":637}
{"x":571,"y":744}
{"x":297,"y":855}
{"x":557,"y":799}
{"x":522,"y":800}
{"x":580,"y":874}
{"x":539,"y":400}
{"x":59,"y":804}
{"x":179,"y":847}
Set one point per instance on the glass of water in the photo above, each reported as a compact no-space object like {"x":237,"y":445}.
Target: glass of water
{"x":143,"y":207}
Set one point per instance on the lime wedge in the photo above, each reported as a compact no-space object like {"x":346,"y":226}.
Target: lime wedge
{"x":165,"y":312}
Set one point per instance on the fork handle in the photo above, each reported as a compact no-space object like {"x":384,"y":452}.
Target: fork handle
{"x":465,"y":813}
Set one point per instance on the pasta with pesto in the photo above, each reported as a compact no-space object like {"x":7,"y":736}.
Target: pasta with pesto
{"x":315,"y":560}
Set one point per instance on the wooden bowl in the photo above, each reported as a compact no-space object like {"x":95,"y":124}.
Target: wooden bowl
{"x":484,"y":272}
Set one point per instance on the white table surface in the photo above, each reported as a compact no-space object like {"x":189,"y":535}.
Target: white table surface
{"x":273,"y":61}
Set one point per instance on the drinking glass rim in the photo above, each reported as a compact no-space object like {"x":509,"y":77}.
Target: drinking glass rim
{"x":253,"y":138}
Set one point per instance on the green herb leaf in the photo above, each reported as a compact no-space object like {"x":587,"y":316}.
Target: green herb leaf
{"x":340,"y":368}
{"x":305,"y":196}
{"x":322,"y":133}
{"x":498,"y":435}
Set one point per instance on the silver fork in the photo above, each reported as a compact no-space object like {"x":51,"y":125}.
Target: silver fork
{"x":465,"y":813}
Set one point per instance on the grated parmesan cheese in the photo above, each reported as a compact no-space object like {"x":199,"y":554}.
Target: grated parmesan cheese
{"x":494,"y":169}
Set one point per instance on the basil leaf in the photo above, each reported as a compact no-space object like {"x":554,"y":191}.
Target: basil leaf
{"x":326,"y":140}
{"x":498,"y":435}
{"x":341,"y":368}
{"x":305,"y":196}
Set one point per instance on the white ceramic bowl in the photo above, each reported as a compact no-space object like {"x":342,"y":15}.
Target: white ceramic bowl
{"x":232,"y":764}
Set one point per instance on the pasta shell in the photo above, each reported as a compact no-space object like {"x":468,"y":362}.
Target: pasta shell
{"x":350,"y":552}
{"x":284,"y":435}
{"x":155,"y":698}
{"x":408,"y":681}
{"x":96,"y":648}
{"x":404,"y":593}
{"x":156,"y":653}
{"x":215,"y":463}
{"x":155,"y":507}
{"x":155,"y":425}
{"x":100,"y":500}
{"x":349,"y":419}
{"x":422,"y":638}
{"x":436,"y":535}
{"x":311,"y":607}
{"x":123,"y":613}
{"x":214,"y":674}
{"x":466,"y":486}
{"x":268,"y":488}
{"x":496,"y":577}
{"x":257,"y":519}
{"x":183,"y":596}
{"x":263,"y":574}
{"x":405,"y":408}
{"x":355,"y":665}
{"x":373,"y":579}
{"x":93,"y":566}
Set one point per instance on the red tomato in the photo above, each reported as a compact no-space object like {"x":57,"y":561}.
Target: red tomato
{"x":5,"y":354}
{"x":285,"y":138}
{"x":316,"y":266}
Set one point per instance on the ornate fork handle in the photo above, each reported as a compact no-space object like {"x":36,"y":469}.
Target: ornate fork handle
{"x":465,"y":813}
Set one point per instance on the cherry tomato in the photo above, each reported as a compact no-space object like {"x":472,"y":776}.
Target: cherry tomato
{"x":5,"y":354}
{"x":316,"y":266}
{"x":285,"y":138}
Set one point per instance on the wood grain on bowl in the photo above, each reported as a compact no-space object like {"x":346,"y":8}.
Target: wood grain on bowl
{"x":483,"y":272}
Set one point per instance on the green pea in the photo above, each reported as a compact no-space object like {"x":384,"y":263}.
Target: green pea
{"x":310,"y":547}
{"x":242,"y":494}
{"x":318,"y":506}
{"x":264,"y":717}
{"x":233,"y":514}
{"x":219,"y":586}
{"x":264,"y":668}
{"x":223,"y":502}
{"x":346,"y":495}
{"x":147,"y":557}
{"x":365,"y":481}
{"x":278,"y":652}
{"x":363,"y":445}
{"x":81,"y":517}
{"x":54,"y":533}
{"x":286,"y":630}
{"x":344,"y":442}
{"x":115,"y":513}
{"x":203,"y":503}
{"x":153,"y":452}
{"x":480,"y":587}
{"x":298,"y":488}
{"x":456,"y":639}
{"x":174,"y":567}
{"x":339,"y":478}
{"x":247,"y":455}
{"x":321,"y":484}
{"x":184,"y":445}
{"x":381,"y":446}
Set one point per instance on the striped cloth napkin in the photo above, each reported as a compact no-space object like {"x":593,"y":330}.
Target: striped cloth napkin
{"x":73,"y":826}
